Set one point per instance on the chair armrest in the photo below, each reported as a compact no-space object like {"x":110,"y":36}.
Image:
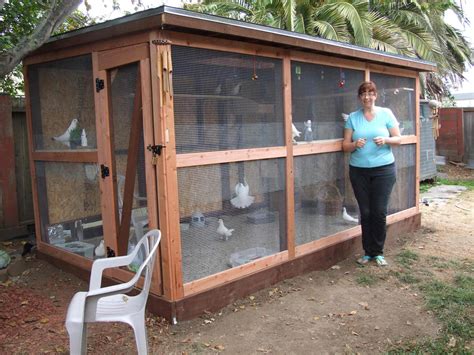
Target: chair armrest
{"x":99,"y":265}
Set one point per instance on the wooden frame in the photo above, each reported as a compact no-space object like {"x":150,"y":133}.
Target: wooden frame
{"x":151,"y":47}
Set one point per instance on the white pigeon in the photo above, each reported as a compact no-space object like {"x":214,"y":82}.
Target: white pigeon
{"x":236,"y":89}
{"x":347,"y":217}
{"x":100,"y":250}
{"x":294,"y":133}
{"x":218,"y":89}
{"x":344,"y":116}
{"x":242,"y":198}
{"x":64,"y":138}
{"x":223,"y":231}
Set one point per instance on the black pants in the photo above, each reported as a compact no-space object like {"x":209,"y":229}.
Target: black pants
{"x":372,"y":188}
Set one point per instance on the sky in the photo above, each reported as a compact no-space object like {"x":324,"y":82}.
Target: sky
{"x":104,"y":9}
{"x":468,"y":8}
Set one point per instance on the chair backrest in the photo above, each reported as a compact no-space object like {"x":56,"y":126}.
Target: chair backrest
{"x":149,"y":242}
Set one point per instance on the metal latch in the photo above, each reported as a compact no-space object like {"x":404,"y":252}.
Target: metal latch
{"x":104,"y":171}
{"x":155,"y":149}
{"x":99,"y":84}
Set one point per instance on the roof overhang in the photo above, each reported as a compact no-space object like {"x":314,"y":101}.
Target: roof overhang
{"x":166,"y":17}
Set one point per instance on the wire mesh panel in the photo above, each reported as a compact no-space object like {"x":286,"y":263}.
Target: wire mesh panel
{"x":230,"y":214}
{"x":128,"y":145}
{"x":62,"y":104}
{"x":398,"y":94}
{"x":403,"y":195}
{"x":225,"y":101}
{"x":322,"y":96}
{"x":69,"y":204}
{"x":322,"y":190}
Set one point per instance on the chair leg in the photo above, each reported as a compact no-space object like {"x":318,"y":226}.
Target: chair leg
{"x":77,"y":338}
{"x":139,"y":328}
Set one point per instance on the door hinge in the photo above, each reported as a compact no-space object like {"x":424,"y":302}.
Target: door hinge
{"x":155,"y":149}
{"x":104,"y":171}
{"x":99,"y":84}
{"x":110,"y":252}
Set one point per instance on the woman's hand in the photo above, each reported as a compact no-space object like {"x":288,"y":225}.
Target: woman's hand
{"x":379,"y":141}
{"x":360,"y":143}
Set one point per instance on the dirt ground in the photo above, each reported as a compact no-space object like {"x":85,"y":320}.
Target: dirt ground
{"x":328,"y":312}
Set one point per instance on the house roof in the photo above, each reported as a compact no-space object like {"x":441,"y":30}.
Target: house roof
{"x":166,"y":17}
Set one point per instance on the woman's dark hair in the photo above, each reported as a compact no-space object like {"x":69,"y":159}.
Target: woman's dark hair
{"x":367,"y":86}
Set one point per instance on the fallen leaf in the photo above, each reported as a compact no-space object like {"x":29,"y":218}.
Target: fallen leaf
{"x":252,"y":298}
{"x":354,"y":333}
{"x":219,"y":347}
{"x":351,"y":313}
{"x":335,"y":267}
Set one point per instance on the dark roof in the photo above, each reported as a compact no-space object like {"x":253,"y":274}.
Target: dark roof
{"x":167,"y":17}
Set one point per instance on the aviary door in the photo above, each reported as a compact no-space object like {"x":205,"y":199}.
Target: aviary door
{"x":125,"y":141}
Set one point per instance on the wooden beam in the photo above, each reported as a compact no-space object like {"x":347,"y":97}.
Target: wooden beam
{"x":223,"y":277}
{"x":86,"y":45}
{"x":318,"y":147}
{"x":383,"y":69}
{"x":9,"y":210}
{"x":136,"y":129}
{"x":418,"y":143}
{"x":34,"y":188}
{"x":106,"y":156}
{"x":289,"y":162}
{"x":327,"y":60}
{"x":228,"y":156}
{"x":79,"y":156}
{"x":150,"y":171}
{"x":120,"y":56}
{"x":166,"y":172}
{"x":219,"y":44}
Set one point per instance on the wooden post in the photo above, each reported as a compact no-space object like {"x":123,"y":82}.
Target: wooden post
{"x":8,"y":198}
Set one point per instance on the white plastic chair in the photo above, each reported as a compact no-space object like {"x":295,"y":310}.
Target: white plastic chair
{"x":139,"y":217}
{"x":112,"y":304}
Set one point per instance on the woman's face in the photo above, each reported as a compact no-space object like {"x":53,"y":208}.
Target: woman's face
{"x":367,"y":98}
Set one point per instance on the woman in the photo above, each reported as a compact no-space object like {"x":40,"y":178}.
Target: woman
{"x":369,"y":134}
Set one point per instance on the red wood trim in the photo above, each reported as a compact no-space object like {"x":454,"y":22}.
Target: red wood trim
{"x":81,"y":156}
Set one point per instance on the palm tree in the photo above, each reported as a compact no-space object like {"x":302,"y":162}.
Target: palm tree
{"x":410,"y":27}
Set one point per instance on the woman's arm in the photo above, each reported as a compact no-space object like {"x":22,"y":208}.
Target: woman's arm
{"x":348,"y":145}
{"x":394,"y":139}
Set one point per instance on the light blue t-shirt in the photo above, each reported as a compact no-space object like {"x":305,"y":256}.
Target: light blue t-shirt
{"x":371,"y":155}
